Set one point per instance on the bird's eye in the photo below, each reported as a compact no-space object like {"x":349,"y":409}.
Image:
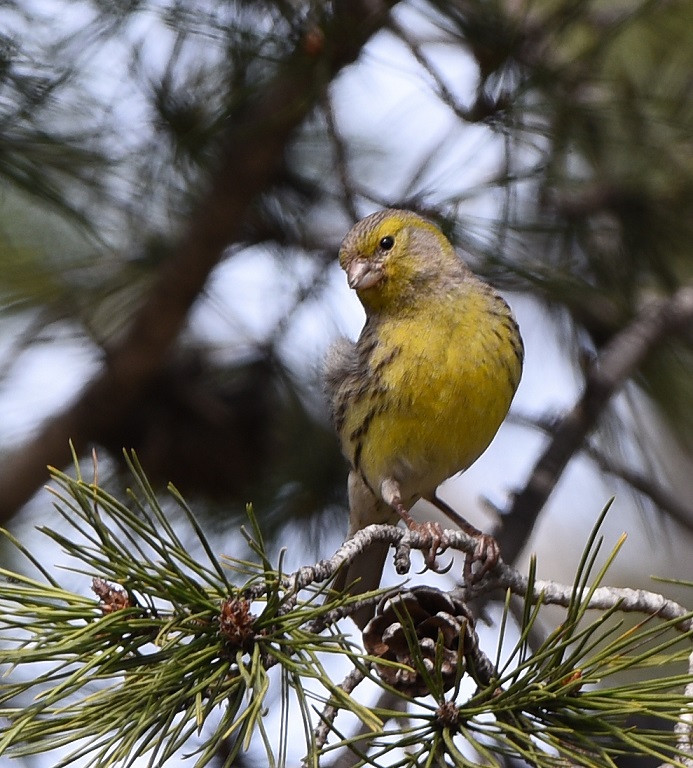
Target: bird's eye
{"x":386,"y":242}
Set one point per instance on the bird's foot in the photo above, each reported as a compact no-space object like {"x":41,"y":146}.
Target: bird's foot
{"x":391,"y":495}
{"x":486,"y":552}
{"x":435,"y":532}
{"x":484,"y":558}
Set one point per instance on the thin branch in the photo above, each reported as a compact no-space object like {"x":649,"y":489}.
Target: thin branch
{"x":341,"y":159}
{"x":647,"y":486}
{"x":483,"y":106}
{"x":619,"y":360}
{"x":603,"y":598}
{"x":388,"y":701}
{"x":442,"y":90}
{"x":502,"y":576}
{"x":253,"y":154}
{"x":330,"y":711}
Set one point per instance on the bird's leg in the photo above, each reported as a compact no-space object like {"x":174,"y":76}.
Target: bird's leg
{"x":486,"y":553}
{"x":392,"y":496}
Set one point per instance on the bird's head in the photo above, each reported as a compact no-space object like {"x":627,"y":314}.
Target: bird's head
{"x":392,"y":257}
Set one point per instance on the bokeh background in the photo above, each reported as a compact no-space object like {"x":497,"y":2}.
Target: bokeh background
{"x":175,"y":179}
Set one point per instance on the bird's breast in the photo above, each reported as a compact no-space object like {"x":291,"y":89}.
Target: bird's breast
{"x":436,"y":390}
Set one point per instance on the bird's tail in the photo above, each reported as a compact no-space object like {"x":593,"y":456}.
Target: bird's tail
{"x":364,"y":572}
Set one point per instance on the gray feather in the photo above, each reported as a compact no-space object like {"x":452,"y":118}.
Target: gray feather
{"x":341,"y":361}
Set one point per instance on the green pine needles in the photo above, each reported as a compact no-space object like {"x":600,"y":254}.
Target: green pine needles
{"x":137,"y":668}
{"x":175,"y":652}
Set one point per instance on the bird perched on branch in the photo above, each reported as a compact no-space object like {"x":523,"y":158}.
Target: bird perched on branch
{"x":423,"y":391}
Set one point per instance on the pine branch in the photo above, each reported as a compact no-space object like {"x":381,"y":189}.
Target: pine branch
{"x":502,"y":576}
{"x":173,"y":636}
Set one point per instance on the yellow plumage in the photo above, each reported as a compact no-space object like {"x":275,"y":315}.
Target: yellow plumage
{"x":422,"y":393}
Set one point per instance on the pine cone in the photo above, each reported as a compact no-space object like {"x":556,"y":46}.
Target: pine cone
{"x":434,"y":617}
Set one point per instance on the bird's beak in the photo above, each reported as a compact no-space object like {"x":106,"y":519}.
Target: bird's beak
{"x":363,"y":274}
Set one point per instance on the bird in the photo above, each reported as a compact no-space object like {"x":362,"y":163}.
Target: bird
{"x":422,"y":392}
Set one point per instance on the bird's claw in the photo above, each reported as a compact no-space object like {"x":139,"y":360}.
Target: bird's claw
{"x":443,"y":569}
{"x":485,"y":557}
{"x":435,"y":532}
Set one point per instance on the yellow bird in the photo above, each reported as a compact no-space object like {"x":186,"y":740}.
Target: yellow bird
{"x":423,"y":391}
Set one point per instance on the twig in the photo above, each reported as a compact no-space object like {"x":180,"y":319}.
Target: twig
{"x":502,"y":576}
{"x":342,"y":161}
{"x":618,"y":361}
{"x":647,"y":486}
{"x":603,"y":598}
{"x":443,"y":92}
{"x":359,"y":542}
{"x":388,"y":701}
{"x":330,"y":710}
{"x":483,"y":107}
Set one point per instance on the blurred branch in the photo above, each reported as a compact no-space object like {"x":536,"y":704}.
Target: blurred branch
{"x":416,"y":50}
{"x":665,"y":501}
{"x":387,"y":700}
{"x":483,"y":106}
{"x":253,"y":153}
{"x":342,"y":160}
{"x":618,"y":361}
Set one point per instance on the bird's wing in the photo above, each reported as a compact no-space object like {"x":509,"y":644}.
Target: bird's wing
{"x":342,"y":377}
{"x":341,"y":363}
